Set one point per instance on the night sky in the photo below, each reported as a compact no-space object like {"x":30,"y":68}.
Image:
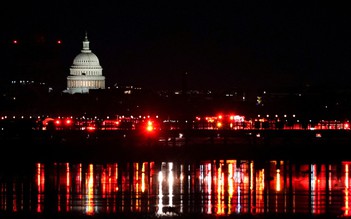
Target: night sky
{"x":244,"y":44}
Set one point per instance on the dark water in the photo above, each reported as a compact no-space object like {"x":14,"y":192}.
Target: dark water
{"x":154,"y":189}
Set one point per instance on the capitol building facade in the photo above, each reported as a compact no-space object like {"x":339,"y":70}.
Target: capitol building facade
{"x":85,"y":72}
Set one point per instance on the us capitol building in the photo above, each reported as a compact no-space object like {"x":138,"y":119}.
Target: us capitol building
{"x":85,"y":72}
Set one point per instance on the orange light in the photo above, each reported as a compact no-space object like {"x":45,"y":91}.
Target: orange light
{"x":219,"y":124}
{"x":149,"y":126}
{"x":58,"y":122}
{"x":68,"y":122}
{"x":91,"y":128}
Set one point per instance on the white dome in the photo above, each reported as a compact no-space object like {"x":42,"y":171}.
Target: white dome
{"x":84,"y":59}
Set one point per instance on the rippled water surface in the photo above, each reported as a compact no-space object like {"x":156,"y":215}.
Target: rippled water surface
{"x":208,"y":187}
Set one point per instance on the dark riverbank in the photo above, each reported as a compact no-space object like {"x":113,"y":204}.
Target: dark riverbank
{"x":104,"y":146}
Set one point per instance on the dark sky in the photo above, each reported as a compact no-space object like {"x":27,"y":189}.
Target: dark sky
{"x":222,"y":45}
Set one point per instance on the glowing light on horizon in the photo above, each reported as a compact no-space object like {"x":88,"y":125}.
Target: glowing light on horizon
{"x":149,"y":126}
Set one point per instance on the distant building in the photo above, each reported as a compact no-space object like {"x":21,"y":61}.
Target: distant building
{"x":86,"y":72}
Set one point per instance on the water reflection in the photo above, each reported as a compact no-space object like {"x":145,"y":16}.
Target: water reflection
{"x":214,"y":187}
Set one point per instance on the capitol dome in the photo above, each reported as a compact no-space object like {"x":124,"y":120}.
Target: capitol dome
{"x":85,"y":72}
{"x":86,"y":59}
